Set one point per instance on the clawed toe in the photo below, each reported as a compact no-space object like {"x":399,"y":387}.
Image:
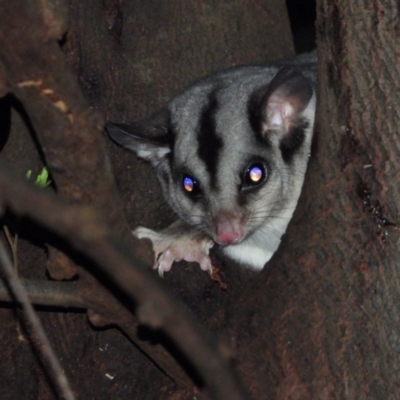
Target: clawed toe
{"x":170,"y":248}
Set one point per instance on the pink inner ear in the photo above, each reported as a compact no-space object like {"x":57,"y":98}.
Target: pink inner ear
{"x":279,"y":112}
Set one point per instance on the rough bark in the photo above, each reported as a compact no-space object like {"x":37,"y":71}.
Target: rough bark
{"x":70,"y":140}
{"x":325,"y":310}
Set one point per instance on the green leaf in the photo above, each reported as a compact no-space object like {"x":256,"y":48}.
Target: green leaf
{"x":42,"y":179}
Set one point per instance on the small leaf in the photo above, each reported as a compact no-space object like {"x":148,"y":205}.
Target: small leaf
{"x":43,"y":178}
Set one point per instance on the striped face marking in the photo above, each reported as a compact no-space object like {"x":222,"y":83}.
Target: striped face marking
{"x":209,"y":143}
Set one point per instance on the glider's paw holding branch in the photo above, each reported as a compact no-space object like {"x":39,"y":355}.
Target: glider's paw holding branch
{"x":168,"y":248}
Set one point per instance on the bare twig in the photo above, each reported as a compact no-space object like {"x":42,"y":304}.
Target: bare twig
{"x":13,"y":243}
{"x":85,"y":231}
{"x":47,"y":293}
{"x":54,"y":367}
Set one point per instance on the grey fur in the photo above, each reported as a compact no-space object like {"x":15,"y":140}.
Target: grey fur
{"x":241,"y":114}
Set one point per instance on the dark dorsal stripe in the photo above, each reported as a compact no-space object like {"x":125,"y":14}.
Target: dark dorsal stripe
{"x":254,"y":109}
{"x":209,"y":144}
{"x":293,"y":140}
{"x":255,"y":116}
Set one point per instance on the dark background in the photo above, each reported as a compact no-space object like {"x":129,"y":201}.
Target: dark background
{"x":302,"y":18}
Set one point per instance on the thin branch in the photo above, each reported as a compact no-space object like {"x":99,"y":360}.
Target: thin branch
{"x":13,"y":243}
{"x":46,"y":293}
{"x":54,"y":368}
{"x":71,"y":295}
{"x":84,"y":229}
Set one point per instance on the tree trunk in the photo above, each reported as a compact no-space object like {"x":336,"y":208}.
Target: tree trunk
{"x":325,"y":310}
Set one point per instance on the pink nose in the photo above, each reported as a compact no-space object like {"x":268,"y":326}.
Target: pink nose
{"x":225,"y":238}
{"x":228,"y":227}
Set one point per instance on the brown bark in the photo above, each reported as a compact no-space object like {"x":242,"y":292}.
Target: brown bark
{"x":325,"y":310}
{"x":74,"y":149}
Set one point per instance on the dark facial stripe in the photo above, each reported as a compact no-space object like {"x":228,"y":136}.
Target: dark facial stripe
{"x":293,"y":140}
{"x":209,"y":143}
{"x":254,"y":109}
{"x":255,"y":116}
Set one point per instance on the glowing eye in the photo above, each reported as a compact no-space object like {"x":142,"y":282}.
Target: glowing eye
{"x":190,"y":186}
{"x":254,"y":175}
